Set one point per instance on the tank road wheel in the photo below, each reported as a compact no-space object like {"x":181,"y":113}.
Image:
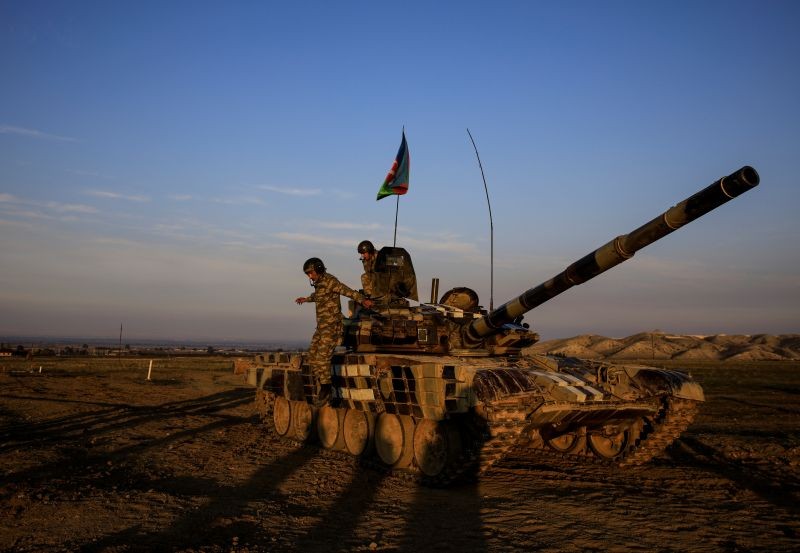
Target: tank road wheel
{"x":281,"y":416}
{"x":263,"y":401}
{"x":394,"y":440}
{"x":437,"y":445}
{"x":359,"y":430}
{"x":329,"y":427}
{"x":302,"y":418}
{"x":564,"y":443}
{"x":608,"y":442}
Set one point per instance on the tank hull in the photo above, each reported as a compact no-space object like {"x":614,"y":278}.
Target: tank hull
{"x":436,"y":419}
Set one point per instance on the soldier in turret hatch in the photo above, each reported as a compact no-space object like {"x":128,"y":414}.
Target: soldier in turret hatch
{"x":368,"y":256}
{"x":328,"y":334}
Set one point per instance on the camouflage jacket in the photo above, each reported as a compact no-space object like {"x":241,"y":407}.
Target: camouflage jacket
{"x":326,"y":295}
{"x":367,"y":276}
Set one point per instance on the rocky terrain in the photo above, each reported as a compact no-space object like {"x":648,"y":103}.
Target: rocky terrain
{"x":660,"y":345}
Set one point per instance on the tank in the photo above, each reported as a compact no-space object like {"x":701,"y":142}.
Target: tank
{"x":442,"y":390}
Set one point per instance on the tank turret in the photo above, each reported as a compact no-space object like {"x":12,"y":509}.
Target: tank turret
{"x":456,"y":323}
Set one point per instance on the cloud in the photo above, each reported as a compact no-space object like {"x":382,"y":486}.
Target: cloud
{"x":27,"y":214}
{"x":33,"y":133}
{"x":115,"y":241}
{"x":243,"y":200}
{"x":314,"y":239}
{"x":441,"y":244}
{"x":449,"y":244}
{"x":116,"y":196}
{"x":52,"y":206}
{"x":180,"y":197}
{"x":349,"y":226}
{"x":7,"y":223}
{"x":71,"y":208}
{"x":292,"y":191}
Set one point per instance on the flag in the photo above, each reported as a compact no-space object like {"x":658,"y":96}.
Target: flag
{"x":397,"y":180}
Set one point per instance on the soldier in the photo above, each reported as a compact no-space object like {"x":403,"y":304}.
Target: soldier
{"x":328,"y":334}
{"x":368,"y":256}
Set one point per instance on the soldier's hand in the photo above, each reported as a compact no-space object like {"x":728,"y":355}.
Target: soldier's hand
{"x":300,"y":301}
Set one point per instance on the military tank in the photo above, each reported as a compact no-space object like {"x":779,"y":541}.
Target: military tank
{"x":441,"y":390}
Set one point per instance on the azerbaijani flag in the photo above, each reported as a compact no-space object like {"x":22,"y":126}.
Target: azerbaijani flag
{"x":397,"y":180}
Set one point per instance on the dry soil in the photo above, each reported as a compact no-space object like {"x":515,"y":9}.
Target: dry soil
{"x":94,"y":457}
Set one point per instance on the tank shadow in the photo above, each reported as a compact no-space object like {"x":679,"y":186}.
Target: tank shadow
{"x":229,"y":516}
{"x":778,"y":489}
{"x":341,"y":520}
{"x":445,"y":519}
{"x":76,"y":436}
{"x":114,"y":416}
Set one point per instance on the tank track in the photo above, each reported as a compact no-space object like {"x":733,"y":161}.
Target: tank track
{"x":653,"y":438}
{"x":488,"y":442}
{"x":670,"y":422}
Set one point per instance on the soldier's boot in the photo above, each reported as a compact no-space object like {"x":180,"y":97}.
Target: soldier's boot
{"x":323,"y":395}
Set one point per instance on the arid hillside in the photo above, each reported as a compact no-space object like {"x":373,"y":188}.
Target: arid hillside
{"x":659,"y":345}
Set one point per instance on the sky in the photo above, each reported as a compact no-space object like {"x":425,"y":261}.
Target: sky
{"x":169,"y":166}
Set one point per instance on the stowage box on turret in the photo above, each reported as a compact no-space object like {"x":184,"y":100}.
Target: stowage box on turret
{"x":442,"y":389}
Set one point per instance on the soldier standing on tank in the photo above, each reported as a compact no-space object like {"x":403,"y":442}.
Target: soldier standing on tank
{"x":368,"y":256}
{"x":328,"y":333}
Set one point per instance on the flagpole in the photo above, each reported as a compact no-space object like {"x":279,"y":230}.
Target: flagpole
{"x":396,"y":210}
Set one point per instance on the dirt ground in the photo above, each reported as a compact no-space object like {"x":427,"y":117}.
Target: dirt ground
{"x":94,"y":457}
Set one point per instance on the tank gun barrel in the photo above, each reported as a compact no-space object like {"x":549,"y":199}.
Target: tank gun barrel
{"x":615,"y":252}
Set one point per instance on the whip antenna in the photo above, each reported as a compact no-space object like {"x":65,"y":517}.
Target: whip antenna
{"x":491,"y":227}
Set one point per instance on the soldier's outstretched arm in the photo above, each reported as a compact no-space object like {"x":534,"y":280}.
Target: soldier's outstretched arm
{"x":344,"y":290}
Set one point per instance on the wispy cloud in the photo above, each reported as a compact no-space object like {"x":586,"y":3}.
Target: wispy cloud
{"x":27,"y":214}
{"x":33,"y":133}
{"x":314,"y":239}
{"x":171,"y":228}
{"x":243,"y":200}
{"x":288,"y":191}
{"x":442,"y":244}
{"x":49,"y":211}
{"x":7,"y":223}
{"x":71,"y":208}
{"x":116,"y":196}
{"x":180,"y":197}
{"x":52,"y":206}
{"x":349,"y":226}
{"x":115,"y":241}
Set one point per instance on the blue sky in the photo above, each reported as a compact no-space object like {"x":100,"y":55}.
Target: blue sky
{"x":170,"y":165}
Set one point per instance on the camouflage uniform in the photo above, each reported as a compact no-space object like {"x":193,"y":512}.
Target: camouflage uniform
{"x":328,"y":334}
{"x":367,"y":276}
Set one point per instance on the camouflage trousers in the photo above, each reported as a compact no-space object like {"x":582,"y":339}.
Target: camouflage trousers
{"x":323,"y":343}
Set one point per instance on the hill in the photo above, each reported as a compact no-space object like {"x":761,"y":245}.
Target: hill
{"x":660,"y":345}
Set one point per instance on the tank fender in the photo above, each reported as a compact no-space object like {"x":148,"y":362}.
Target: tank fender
{"x":675,"y":383}
{"x":532,"y":386}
